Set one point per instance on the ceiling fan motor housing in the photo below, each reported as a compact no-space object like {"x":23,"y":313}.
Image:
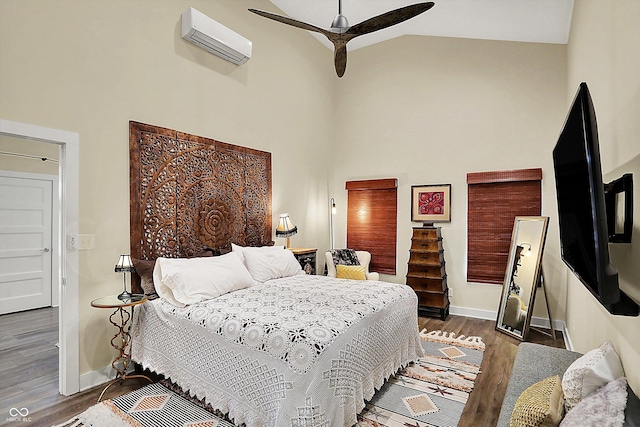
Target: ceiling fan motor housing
{"x":340,"y":22}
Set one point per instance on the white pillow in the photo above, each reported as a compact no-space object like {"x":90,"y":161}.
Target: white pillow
{"x":184,"y":281}
{"x":590,"y":372}
{"x":603,"y":408}
{"x":267,"y":265}
{"x":241,"y":250}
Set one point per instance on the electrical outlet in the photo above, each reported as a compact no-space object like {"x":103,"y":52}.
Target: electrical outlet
{"x":450,"y":292}
{"x":86,"y":241}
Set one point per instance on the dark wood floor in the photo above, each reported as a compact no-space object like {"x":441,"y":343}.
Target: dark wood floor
{"x":28,"y":360}
{"x":485,"y":401}
{"x":29,"y":369}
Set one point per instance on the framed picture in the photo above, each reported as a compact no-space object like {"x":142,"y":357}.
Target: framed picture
{"x":431,"y":203}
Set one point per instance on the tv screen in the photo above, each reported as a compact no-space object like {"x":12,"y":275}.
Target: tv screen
{"x":581,"y":205}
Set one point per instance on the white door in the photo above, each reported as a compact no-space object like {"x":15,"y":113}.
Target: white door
{"x":25,"y":244}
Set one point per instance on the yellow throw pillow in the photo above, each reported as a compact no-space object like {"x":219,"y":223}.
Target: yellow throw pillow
{"x":353,"y":272}
{"x":541,"y":404}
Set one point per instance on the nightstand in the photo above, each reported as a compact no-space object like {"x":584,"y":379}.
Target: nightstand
{"x":307,"y":258}
{"x":120,"y":318}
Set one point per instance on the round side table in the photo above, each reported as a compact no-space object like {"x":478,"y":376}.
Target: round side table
{"x":119,"y":318}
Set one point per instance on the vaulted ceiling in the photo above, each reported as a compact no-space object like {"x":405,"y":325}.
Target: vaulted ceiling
{"x":538,"y":21}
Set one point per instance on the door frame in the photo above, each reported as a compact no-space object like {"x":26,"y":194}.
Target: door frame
{"x":68,"y":177}
{"x":55,"y":220}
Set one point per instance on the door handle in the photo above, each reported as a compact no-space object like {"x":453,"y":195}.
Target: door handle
{"x":45,"y":250}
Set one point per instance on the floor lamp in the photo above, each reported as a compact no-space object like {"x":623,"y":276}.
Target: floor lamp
{"x":333,"y":212}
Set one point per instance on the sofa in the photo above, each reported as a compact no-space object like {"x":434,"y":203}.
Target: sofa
{"x":534,"y":363}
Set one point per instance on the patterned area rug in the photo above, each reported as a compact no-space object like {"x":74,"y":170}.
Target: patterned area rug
{"x":150,"y":406}
{"x":429,"y":393}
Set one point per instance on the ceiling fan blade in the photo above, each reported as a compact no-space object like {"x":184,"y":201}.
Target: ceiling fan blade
{"x":340,"y":58}
{"x":289,"y":21}
{"x":389,"y":19}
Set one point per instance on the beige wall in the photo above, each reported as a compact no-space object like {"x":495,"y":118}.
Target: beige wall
{"x":429,"y":111}
{"x":424,"y":110}
{"x":603,"y":51}
{"x":90,"y":67}
{"x":30,"y":148}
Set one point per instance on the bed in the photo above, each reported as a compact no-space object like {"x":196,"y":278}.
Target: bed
{"x":275,"y":347}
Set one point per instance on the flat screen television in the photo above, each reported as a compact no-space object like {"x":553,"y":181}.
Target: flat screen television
{"x":581,"y":207}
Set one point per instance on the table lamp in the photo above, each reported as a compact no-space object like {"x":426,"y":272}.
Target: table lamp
{"x":286,"y":228}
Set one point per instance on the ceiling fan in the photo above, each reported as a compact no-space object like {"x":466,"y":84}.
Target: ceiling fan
{"x":341,"y":33}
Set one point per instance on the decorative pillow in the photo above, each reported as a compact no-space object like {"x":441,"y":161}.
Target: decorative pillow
{"x":266,"y":265}
{"x":144,"y":269}
{"x":603,"y":408}
{"x":353,"y":272}
{"x":184,"y":281}
{"x":539,"y":405}
{"x":344,"y":257}
{"x":204,"y":253}
{"x":224,"y":249}
{"x":590,"y":372}
{"x":242,"y":250}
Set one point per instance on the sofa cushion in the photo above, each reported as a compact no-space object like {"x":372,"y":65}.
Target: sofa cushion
{"x":540,"y":405}
{"x":602,"y":408}
{"x":596,"y":368}
{"x":534,"y":362}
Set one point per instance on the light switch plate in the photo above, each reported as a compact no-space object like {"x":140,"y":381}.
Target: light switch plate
{"x":72,"y":241}
{"x":81,"y":241}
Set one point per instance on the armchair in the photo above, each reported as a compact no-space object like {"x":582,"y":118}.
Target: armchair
{"x":515,"y":312}
{"x":364,"y":258}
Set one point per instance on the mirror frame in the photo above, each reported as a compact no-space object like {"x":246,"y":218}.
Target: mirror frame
{"x":537,"y":275}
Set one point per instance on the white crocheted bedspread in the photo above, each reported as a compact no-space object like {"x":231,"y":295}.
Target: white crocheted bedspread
{"x":298,"y":351}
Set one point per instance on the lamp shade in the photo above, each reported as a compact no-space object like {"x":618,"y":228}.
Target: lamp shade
{"x":285,"y":227}
{"x":124,"y":264}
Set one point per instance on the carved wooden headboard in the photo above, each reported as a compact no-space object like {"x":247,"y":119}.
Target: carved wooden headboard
{"x":189,"y":193}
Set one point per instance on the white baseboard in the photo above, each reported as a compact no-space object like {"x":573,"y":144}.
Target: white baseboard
{"x":538,"y":322}
{"x":567,"y":338}
{"x":97,"y":377}
{"x":100,"y":376}
{"x":473,"y":312}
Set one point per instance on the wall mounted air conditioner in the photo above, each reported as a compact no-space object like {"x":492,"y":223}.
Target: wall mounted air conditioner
{"x":204,"y":32}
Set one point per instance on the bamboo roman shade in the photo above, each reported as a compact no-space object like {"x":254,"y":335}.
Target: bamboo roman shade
{"x":494,"y":200}
{"x":371,"y":221}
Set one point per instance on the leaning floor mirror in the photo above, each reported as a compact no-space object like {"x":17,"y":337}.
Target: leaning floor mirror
{"x":523,"y":274}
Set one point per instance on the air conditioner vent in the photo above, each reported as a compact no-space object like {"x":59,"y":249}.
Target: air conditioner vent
{"x":204,"y":32}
